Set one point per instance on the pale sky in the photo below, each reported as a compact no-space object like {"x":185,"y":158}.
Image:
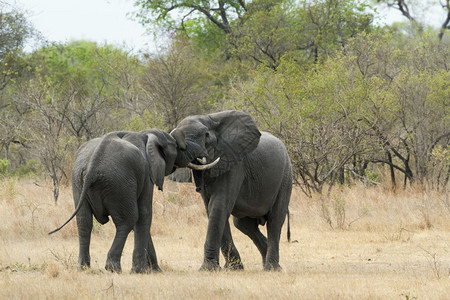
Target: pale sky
{"x":103,"y":21}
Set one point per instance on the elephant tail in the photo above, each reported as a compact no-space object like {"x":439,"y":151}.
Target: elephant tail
{"x":288,"y":227}
{"x":77,"y":209}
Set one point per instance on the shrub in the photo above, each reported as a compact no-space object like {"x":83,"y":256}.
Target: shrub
{"x":4,"y":167}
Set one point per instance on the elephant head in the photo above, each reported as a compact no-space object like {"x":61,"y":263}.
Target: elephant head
{"x":161,"y":152}
{"x":216,"y":142}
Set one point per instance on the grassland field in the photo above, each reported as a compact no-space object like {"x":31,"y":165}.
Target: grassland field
{"x":358,"y":243}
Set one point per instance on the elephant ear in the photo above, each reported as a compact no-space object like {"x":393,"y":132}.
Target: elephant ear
{"x":157,"y":164}
{"x":237,"y":135}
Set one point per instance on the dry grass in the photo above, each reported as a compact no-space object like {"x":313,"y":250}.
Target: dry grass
{"x":358,"y":244}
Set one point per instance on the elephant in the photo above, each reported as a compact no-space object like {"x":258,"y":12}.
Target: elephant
{"x":114,"y":176}
{"x":181,"y":175}
{"x":238,"y":171}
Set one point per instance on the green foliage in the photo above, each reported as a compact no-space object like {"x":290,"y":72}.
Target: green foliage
{"x":372,"y":176}
{"x":374,"y":97}
{"x":206,"y":37}
{"x":306,"y":31}
{"x":4,"y":167}
{"x":205,"y":23}
{"x":171,"y":14}
{"x":439,"y":166}
{"x":261,"y":30}
{"x":441,"y":155}
{"x":83,"y":66}
{"x":30,"y":168}
{"x":15,"y":30}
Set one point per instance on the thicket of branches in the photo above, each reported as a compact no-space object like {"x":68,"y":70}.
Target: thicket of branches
{"x":352,"y":101}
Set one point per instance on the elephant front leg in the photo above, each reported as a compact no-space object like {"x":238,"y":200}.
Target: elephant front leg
{"x":224,"y":192}
{"x":216,"y":224}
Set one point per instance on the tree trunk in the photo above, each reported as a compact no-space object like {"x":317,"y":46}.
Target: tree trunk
{"x":392,"y":171}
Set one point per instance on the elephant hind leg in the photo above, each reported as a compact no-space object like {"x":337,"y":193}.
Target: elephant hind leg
{"x":84,"y":224}
{"x":231,"y":254}
{"x":147,"y":264}
{"x":275,"y":221}
{"x":152,"y":261}
{"x":273,"y":245}
{"x":249,"y":226}
{"x":144,"y":255}
{"x":115,"y":252}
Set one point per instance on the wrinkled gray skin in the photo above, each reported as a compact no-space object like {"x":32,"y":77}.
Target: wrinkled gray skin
{"x":252,"y":182}
{"x":114,"y":176}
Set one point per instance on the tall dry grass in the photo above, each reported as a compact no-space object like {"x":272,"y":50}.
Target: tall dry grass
{"x":358,"y":243}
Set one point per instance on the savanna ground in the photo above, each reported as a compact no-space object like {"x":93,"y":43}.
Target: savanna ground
{"x":360,"y":243}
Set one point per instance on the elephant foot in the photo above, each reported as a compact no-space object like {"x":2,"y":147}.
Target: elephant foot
{"x":146,"y":270}
{"x":156,"y":269}
{"x":140,"y":270}
{"x":272,"y":267}
{"x":209,"y":265}
{"x":83,"y":264}
{"x":84,"y":261}
{"x":113,"y":266}
{"x":234,"y":266}
{"x":83,"y":267}
{"x":144,"y":267}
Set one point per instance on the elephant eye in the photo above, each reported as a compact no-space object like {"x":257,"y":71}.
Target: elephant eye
{"x":207,"y":134}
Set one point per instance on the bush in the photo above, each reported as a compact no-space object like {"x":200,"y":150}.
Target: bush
{"x":30,"y":168}
{"x":4,"y":167}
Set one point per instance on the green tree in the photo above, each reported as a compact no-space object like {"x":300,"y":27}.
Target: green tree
{"x":408,"y":101}
{"x":262,"y":30}
{"x":303,"y":30}
{"x":71,"y":93}
{"x":102,"y":79}
{"x":377,"y":102}
{"x":173,"y":14}
{"x":207,"y":23}
{"x":15,"y":30}
{"x":315,"y":112}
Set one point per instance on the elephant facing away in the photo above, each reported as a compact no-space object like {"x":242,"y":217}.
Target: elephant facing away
{"x":239,"y":171}
{"x":114,"y":176}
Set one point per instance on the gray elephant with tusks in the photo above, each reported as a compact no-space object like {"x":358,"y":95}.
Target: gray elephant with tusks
{"x":239,"y":171}
{"x":114,"y":176}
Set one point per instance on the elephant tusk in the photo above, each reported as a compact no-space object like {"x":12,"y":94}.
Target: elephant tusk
{"x":203,"y":167}
{"x":202,"y":160}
